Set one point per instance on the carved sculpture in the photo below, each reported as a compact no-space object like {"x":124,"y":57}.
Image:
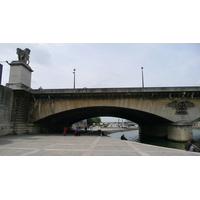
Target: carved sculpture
{"x":23,"y":55}
{"x":181,"y":106}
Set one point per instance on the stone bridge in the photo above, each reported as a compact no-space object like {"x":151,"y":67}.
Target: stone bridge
{"x":163,"y":112}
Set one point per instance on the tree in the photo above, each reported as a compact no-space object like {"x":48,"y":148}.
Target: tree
{"x":95,"y":120}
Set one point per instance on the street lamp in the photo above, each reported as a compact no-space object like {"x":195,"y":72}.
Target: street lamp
{"x":1,"y":69}
{"x":142,"y":77}
{"x":74,"y":77}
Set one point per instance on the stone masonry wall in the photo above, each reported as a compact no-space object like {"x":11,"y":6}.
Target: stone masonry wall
{"x":20,"y":111}
{"x":6,"y":101}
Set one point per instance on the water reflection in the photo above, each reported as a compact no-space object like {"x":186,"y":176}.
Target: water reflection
{"x":134,"y":135}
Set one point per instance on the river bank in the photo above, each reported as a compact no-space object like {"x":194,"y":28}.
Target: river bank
{"x":110,"y":130}
{"x":164,"y":142}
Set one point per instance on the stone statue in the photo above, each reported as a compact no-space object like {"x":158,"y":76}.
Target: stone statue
{"x":23,"y":55}
{"x":181,"y":106}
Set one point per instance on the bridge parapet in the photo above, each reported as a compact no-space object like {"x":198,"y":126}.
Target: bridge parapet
{"x":143,"y":93}
{"x":108,"y":90}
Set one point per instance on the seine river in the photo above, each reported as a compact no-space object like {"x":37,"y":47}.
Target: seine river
{"x":134,"y":135}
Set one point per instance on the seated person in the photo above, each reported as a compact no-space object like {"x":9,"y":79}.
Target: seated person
{"x":104,"y":134}
{"x":191,"y":147}
{"x":99,"y":132}
{"x":123,"y":137}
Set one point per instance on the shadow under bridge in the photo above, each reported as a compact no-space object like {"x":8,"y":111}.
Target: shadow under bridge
{"x":56,"y":122}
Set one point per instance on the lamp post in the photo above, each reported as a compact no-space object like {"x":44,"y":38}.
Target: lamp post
{"x":1,"y":69}
{"x":142,"y":77}
{"x":74,"y":77}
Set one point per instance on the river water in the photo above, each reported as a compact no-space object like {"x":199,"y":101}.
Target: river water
{"x":133,"y":135}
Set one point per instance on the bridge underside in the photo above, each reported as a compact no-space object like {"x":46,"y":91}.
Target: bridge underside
{"x":149,"y":124}
{"x":66,"y":118}
{"x":162,"y":112}
{"x":76,"y":115}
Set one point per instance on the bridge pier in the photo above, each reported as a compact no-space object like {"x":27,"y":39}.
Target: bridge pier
{"x":156,"y":130}
{"x":33,"y":128}
{"x":179,"y":131}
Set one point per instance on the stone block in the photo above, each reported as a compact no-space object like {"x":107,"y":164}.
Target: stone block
{"x":20,"y":75}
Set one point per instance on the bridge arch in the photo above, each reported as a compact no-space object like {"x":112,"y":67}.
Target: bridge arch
{"x":68,"y":117}
{"x":154,"y":109}
{"x":108,"y":107}
{"x":78,"y":114}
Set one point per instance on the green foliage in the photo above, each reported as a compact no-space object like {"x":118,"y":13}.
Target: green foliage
{"x":93,"y":120}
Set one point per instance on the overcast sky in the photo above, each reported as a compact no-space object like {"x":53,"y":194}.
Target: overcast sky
{"x":107,"y":43}
{"x":106,"y":65}
{"x":103,"y":65}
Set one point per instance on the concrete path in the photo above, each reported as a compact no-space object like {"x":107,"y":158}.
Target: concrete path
{"x":85,"y":145}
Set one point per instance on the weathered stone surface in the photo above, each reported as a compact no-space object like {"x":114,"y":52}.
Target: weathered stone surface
{"x":149,"y":107}
{"x":20,"y":111}
{"x":20,"y":75}
{"x":6,"y":99}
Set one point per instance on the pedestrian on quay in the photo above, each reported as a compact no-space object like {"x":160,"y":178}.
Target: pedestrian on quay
{"x":191,"y":147}
{"x":64,"y":131}
{"x":76,"y":132}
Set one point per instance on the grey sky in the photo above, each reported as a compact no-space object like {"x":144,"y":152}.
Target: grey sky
{"x":102,"y":65}
{"x":109,"y":64}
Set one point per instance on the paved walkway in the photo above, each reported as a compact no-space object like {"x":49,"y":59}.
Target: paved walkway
{"x":85,"y":145}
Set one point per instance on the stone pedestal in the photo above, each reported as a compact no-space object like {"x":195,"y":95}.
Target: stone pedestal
{"x":20,"y":75}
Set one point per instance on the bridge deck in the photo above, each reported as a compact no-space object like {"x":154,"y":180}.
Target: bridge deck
{"x":59,"y":145}
{"x":121,"y":90}
{"x":147,"y":92}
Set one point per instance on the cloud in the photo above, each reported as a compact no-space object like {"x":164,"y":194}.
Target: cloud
{"x":108,"y":65}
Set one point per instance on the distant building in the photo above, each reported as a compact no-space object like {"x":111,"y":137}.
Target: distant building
{"x":82,"y":124}
{"x":196,"y":124}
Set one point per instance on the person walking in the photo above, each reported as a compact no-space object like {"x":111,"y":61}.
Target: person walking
{"x":64,"y":131}
{"x":76,"y":131}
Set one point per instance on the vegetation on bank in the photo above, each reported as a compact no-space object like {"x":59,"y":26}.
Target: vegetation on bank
{"x":94,"y":120}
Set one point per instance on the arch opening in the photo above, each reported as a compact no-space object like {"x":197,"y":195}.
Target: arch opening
{"x":56,"y":122}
